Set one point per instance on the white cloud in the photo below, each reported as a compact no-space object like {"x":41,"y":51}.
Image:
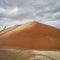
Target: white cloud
{"x":46,"y":11}
{"x":9,"y":12}
{"x":53,"y":23}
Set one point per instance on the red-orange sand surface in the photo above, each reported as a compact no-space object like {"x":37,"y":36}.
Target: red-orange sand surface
{"x":31,"y":35}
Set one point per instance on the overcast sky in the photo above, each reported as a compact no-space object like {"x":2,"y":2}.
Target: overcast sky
{"x":20,"y":11}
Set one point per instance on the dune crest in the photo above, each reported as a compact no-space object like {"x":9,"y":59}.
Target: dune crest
{"x":32,"y":35}
{"x":8,"y":29}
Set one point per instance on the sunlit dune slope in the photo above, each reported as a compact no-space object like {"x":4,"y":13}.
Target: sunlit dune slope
{"x":32,"y":35}
{"x":9,"y":29}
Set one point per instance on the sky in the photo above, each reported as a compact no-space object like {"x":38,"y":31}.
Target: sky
{"x":14,"y":12}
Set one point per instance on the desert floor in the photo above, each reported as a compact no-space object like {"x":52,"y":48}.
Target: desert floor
{"x":8,"y":53}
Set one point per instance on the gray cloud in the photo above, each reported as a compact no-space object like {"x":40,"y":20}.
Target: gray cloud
{"x":24,"y":10}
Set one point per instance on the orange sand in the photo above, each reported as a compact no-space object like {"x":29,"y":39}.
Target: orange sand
{"x":31,"y":35}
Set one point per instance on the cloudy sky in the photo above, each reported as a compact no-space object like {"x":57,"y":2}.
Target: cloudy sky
{"x":20,"y":11}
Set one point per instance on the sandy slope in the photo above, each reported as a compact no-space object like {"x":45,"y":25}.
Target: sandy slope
{"x":8,"y":29}
{"x":32,"y":35}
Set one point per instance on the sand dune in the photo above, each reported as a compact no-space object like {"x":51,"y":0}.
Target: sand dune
{"x":32,"y":35}
{"x":8,"y":29}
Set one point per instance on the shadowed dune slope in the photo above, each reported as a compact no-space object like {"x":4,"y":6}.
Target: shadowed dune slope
{"x":32,"y":35}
